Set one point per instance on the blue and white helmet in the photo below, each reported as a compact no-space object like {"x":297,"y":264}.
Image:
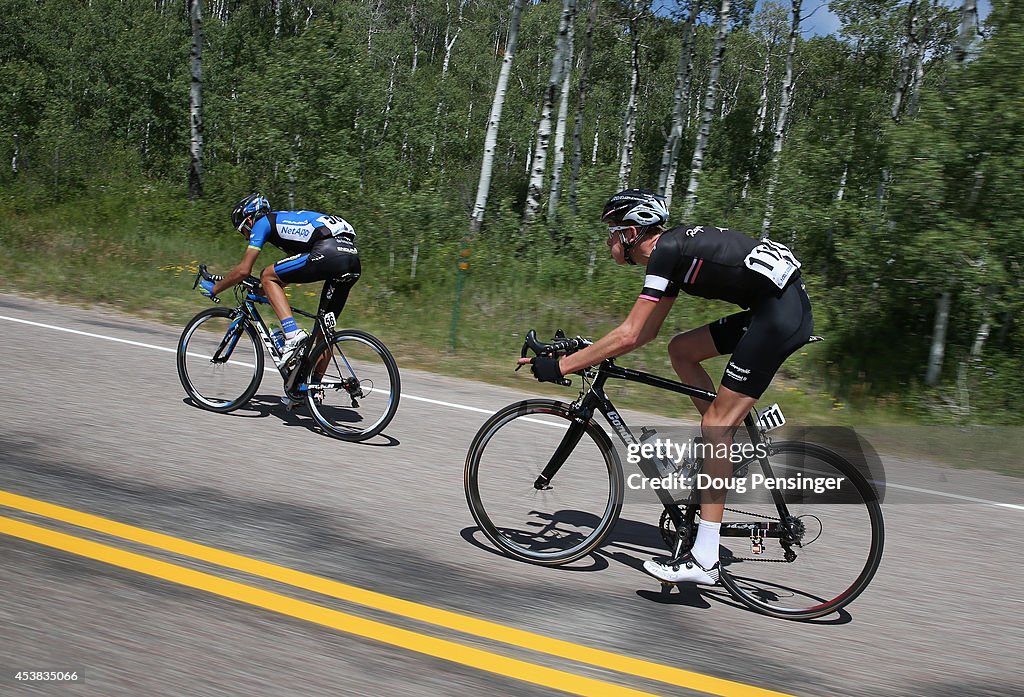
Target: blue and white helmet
{"x":636,"y":206}
{"x":248,"y":211}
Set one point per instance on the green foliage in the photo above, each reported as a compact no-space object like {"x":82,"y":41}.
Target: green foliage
{"x":345,"y":106}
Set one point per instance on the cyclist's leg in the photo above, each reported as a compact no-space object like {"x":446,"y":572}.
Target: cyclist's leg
{"x":718,"y":426}
{"x":275,"y":277}
{"x":775,"y":329}
{"x":689,"y":349}
{"x":345,"y":270}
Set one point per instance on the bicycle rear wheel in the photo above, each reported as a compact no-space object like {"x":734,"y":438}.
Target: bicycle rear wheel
{"x":838,"y":546}
{"x":220,"y":359}
{"x":358,"y":394}
{"x":553,"y":523}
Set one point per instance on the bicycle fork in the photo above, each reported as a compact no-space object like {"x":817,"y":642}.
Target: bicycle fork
{"x":228,"y":343}
{"x":569,"y":442}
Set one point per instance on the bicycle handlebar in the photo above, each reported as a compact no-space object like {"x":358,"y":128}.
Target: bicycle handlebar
{"x":250,"y":283}
{"x":560,"y":346}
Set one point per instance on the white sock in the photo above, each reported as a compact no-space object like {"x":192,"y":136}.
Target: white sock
{"x":705,"y":548}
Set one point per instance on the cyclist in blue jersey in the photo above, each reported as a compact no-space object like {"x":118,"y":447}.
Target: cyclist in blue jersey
{"x":322,"y":248}
{"x":761,"y":276}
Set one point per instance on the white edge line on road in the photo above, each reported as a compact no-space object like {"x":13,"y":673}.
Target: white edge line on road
{"x":952,"y":496}
{"x":267,"y":369}
{"x":453,"y":405}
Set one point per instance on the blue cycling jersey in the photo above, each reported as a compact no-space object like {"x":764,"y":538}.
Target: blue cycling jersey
{"x":298,"y":232}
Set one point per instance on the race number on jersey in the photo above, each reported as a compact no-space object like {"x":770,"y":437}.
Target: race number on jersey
{"x":337,"y":226}
{"x":773,"y":261}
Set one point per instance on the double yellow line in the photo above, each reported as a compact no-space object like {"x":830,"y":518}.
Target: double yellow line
{"x":352,"y":624}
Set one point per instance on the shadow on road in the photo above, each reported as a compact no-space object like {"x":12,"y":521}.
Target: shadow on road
{"x":262,"y":406}
{"x":594,"y":562}
{"x":630,"y":543}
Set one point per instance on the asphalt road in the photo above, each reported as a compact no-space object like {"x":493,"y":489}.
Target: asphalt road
{"x":94,"y":421}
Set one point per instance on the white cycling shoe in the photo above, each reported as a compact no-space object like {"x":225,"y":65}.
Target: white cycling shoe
{"x":685,"y":569}
{"x":291,"y":344}
{"x":317,"y":394}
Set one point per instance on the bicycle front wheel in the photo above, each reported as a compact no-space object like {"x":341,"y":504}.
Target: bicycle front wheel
{"x":357,"y":394}
{"x":220,"y":359}
{"x":543,"y":486}
{"x":835,"y":537}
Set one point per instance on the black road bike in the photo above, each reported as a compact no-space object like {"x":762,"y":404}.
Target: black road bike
{"x":346,"y":377}
{"x":546,"y":485}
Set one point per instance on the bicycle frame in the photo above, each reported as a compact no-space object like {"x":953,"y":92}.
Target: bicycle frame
{"x":293,"y":372}
{"x":682,"y":516}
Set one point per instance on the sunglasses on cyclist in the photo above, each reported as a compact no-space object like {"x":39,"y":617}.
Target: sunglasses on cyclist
{"x":612,"y":229}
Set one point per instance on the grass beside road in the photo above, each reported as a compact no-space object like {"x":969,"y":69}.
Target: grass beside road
{"x":114,"y":255}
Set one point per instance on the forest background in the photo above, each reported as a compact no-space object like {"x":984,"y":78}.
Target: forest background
{"x":473,"y":143}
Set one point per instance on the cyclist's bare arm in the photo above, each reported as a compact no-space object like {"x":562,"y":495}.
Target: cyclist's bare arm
{"x":641,"y":326}
{"x":235,"y":275}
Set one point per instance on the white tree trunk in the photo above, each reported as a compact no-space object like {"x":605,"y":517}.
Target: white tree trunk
{"x":912,"y":47}
{"x":491,"y":138}
{"x":581,"y":101}
{"x":680,"y":100}
{"x":780,"y":122}
{"x":415,"y":38}
{"x":376,"y":9}
{"x":729,"y":99}
{"x":938,"y":350}
{"x":538,"y":166}
{"x":195,"y":169}
{"x":759,"y":120}
{"x":597,"y":137}
{"x":980,"y":338}
{"x":449,"y":43}
{"x":915,"y":86}
{"x":293,"y":166}
{"x":560,"y":127}
{"x":710,"y":98}
{"x":390,"y":95}
{"x":968,"y":29}
{"x":629,"y":122}
{"x":842,"y":182}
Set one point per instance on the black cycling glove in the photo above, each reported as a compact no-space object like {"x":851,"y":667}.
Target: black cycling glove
{"x":546,"y":369}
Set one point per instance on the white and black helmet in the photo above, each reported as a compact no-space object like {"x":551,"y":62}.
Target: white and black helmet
{"x":247,"y":211}
{"x":636,"y":206}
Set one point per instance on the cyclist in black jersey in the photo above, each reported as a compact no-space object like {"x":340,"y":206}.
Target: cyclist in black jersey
{"x":322,"y":248}
{"x":760,"y":276}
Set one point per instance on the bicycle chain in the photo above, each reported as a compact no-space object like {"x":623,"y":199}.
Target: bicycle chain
{"x":763,"y":561}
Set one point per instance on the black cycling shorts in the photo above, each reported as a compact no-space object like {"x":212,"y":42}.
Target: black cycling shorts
{"x":336,"y":263}
{"x":762,"y":338}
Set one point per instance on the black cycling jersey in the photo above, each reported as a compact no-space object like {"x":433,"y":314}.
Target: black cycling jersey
{"x":299,"y":232}
{"x":718,"y":263}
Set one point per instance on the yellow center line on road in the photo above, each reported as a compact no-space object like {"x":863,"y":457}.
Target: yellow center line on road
{"x":282,"y":604}
{"x":405,"y":608}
